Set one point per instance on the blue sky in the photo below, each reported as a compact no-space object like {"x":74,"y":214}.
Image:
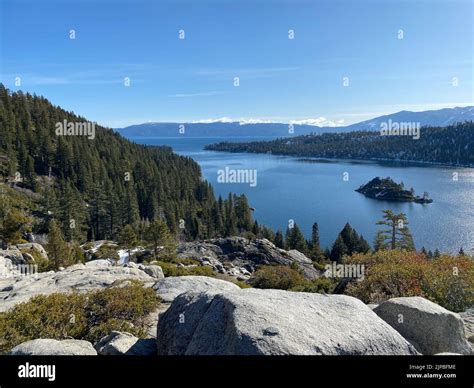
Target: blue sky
{"x":281,"y":79}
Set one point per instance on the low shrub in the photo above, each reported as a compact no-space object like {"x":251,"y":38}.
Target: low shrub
{"x":279,"y":277}
{"x":106,"y":251}
{"x":170,"y":269}
{"x":87,"y":316}
{"x":447,"y":280}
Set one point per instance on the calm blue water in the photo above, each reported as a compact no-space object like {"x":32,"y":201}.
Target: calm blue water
{"x":289,"y":188}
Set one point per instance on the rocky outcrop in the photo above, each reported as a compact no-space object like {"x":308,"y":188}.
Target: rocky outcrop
{"x":33,"y":248}
{"x":274,"y":322}
{"x":52,"y":347}
{"x":120,"y":343}
{"x":239,"y":257}
{"x":79,"y":277}
{"x":24,"y":253}
{"x":430,"y":328}
{"x":14,"y":255}
{"x":169,"y":288}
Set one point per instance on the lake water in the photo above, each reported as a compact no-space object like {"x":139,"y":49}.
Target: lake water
{"x":291,"y":188}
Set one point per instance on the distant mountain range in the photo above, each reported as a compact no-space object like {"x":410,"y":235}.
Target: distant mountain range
{"x":440,"y":117}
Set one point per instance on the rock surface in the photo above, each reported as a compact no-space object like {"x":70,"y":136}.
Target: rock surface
{"x":154,"y":271}
{"x":429,"y":327}
{"x":169,"y":288}
{"x":468,"y":319}
{"x":121,"y":343}
{"x":274,"y":322}
{"x":239,"y":257}
{"x":33,"y":247}
{"x":52,"y":347}
{"x":78,"y":277}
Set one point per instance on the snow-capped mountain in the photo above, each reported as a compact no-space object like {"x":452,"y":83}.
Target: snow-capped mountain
{"x":225,"y":127}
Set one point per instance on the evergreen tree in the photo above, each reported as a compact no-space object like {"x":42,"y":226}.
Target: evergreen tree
{"x":316,"y":253}
{"x":315,"y":236}
{"x":398,"y":235}
{"x":279,"y":239}
{"x":57,"y":248}
{"x":13,"y":227}
{"x":339,"y":249}
{"x":295,"y":239}
{"x":127,"y":239}
{"x":158,"y":236}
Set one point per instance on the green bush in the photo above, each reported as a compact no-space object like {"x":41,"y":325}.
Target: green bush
{"x":106,"y":251}
{"x":282,"y":277}
{"x":87,"y":316}
{"x":321,"y":286}
{"x":279,"y":277}
{"x":170,"y":269}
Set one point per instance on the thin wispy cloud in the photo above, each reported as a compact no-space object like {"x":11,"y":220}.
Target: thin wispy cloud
{"x":199,"y":94}
{"x":249,"y":73}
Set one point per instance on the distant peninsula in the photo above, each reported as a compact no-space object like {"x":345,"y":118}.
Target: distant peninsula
{"x":388,"y":190}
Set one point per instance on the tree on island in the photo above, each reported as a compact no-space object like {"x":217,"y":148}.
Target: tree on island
{"x":398,"y":235}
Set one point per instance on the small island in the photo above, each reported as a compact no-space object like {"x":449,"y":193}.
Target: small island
{"x":388,"y":190}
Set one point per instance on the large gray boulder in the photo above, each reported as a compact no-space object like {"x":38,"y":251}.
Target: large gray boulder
{"x":121,"y":343}
{"x":52,"y":347}
{"x":169,"y":288}
{"x":78,"y":277}
{"x":429,"y":327}
{"x":274,"y":322}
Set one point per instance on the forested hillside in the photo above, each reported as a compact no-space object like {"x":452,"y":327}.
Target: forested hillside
{"x":452,"y":145}
{"x":99,"y":185}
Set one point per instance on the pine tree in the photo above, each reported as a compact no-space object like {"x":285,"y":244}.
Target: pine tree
{"x":316,"y":253}
{"x":398,"y":235}
{"x":279,"y":239}
{"x":295,"y":239}
{"x":243,"y":213}
{"x":339,"y":249}
{"x":315,"y":236}
{"x":57,"y":248}
{"x":127,"y":239}
{"x":159,"y":237}
{"x":14,"y":226}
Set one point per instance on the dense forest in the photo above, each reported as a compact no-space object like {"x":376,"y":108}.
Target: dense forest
{"x":93,"y":187}
{"x":452,"y":145}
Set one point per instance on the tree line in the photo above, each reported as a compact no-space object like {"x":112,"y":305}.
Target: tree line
{"x":451,"y":145}
{"x":95,"y":187}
